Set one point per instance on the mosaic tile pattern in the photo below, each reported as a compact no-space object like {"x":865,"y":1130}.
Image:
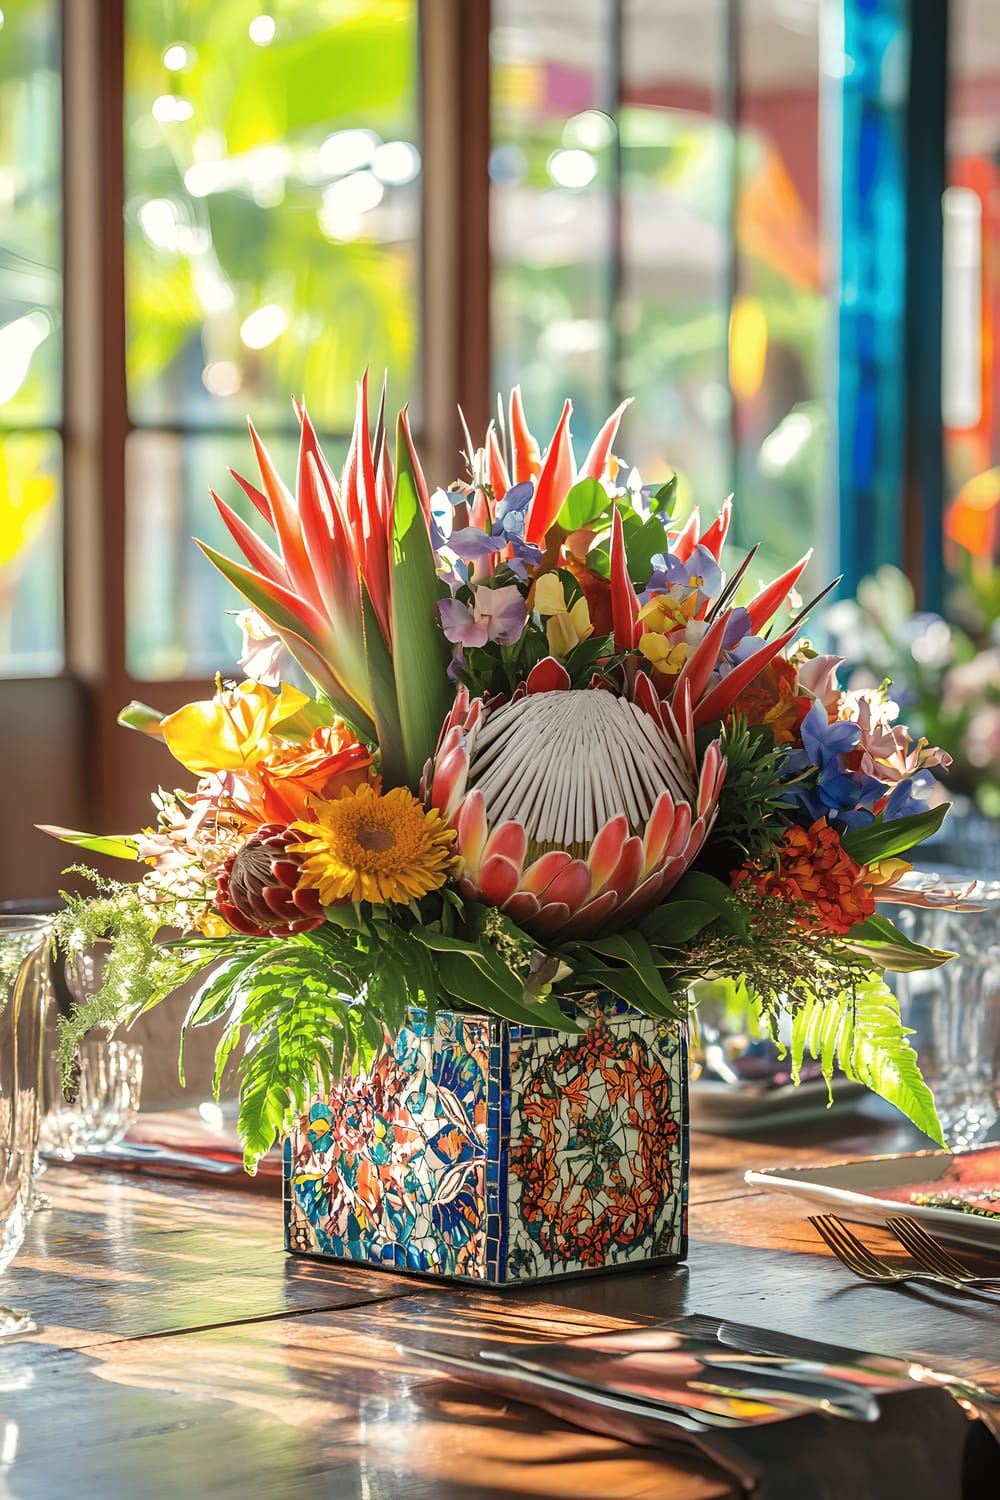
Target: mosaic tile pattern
{"x":498,"y":1153}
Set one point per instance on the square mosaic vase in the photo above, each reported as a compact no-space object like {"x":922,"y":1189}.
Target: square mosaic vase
{"x":500,"y":1154}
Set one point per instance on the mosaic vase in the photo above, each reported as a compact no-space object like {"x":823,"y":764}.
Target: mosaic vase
{"x":500,"y":1154}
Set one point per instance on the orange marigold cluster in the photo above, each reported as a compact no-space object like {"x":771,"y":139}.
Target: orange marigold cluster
{"x":816,"y":874}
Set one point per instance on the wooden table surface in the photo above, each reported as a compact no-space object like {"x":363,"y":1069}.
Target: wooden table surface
{"x":181,"y":1353}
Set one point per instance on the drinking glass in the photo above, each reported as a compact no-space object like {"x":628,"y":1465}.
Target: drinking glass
{"x":955,"y":1010}
{"x":105,"y":1102}
{"x":24,"y":978}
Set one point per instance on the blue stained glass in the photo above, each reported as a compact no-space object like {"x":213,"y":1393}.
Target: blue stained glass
{"x":871,"y":333}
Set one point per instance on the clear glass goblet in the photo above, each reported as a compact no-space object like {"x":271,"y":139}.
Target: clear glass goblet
{"x":24,"y":979}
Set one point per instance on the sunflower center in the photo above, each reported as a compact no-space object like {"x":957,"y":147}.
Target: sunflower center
{"x":376,"y":840}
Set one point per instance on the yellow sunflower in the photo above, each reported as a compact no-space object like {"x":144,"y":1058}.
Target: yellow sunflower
{"x":367,"y":847}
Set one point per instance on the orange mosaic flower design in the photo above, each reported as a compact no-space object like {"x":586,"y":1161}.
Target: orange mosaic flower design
{"x":816,"y":875}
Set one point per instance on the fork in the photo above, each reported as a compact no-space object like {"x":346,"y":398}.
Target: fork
{"x":859,"y":1259}
{"x":933,"y":1256}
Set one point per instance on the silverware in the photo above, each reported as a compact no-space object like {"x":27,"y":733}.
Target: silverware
{"x":727,"y":1401}
{"x":839,"y":1361}
{"x":933,"y":1256}
{"x":858,"y":1258}
{"x":764,"y":1381}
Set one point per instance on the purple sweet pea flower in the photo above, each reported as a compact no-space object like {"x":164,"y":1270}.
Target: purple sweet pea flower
{"x":700,"y":572}
{"x":475,"y":546}
{"x":497,"y":615}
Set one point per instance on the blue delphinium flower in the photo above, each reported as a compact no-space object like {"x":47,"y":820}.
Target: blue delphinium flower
{"x":824,"y":786}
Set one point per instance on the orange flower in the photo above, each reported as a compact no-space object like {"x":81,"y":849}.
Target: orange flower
{"x":818,"y":877}
{"x":330,"y":762}
{"x":771,"y":699}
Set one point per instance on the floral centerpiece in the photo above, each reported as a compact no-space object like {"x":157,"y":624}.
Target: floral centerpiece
{"x":518,"y":756}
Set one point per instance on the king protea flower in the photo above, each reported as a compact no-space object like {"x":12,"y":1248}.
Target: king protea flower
{"x":258,"y":889}
{"x":576,"y":811}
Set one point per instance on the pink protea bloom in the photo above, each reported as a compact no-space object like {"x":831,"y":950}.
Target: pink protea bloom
{"x":576,"y":810}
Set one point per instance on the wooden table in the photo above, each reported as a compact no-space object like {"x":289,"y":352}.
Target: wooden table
{"x":183,"y":1354}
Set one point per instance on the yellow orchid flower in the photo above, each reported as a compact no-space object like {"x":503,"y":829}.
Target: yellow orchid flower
{"x":232,"y":730}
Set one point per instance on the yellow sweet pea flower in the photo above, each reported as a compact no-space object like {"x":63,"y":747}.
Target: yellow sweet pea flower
{"x":232,"y":730}
{"x":549,"y":596}
{"x":663,"y":613}
{"x":662,"y":653}
{"x":565,"y":628}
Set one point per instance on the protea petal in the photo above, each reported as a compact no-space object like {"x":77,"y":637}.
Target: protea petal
{"x":551,"y":917}
{"x":627,"y":872}
{"x":605,"y":852}
{"x":498,"y":880}
{"x":473,"y":828}
{"x":571,"y":885}
{"x":539,"y":876}
{"x":509,"y":842}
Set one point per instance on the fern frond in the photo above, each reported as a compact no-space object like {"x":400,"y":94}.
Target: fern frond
{"x":860,"y":1032}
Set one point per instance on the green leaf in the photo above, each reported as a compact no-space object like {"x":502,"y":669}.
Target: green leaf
{"x":663,"y":500}
{"x":385,"y":705}
{"x":676,"y":922}
{"x":420,"y":652}
{"x":885,"y":840}
{"x":644,"y":540}
{"x":695,"y":885}
{"x":634,"y":952}
{"x":892,"y":949}
{"x":118,"y":846}
{"x":626,"y":984}
{"x":864,"y":1036}
{"x":476,"y":975}
{"x":584,"y":503}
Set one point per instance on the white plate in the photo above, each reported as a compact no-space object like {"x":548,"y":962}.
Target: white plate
{"x":856,"y":1190}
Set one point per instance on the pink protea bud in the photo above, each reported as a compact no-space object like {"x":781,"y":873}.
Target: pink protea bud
{"x":257,"y":889}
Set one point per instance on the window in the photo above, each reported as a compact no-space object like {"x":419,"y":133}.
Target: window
{"x":272,"y":220}
{"x":658,"y":233}
{"x":30,"y":341}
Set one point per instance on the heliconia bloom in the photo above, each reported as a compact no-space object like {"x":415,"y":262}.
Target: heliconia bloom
{"x":815,"y":874}
{"x":576,"y":811}
{"x":231,"y":731}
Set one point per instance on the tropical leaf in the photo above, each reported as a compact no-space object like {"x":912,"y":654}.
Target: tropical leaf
{"x":892,"y":949}
{"x":882,"y":840}
{"x":632,"y":950}
{"x":677,"y":922}
{"x":474,"y":974}
{"x":385,"y":704}
{"x":420,"y":652}
{"x":862,"y":1034}
{"x":695,"y":885}
{"x":118,"y":846}
{"x":585,"y":502}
